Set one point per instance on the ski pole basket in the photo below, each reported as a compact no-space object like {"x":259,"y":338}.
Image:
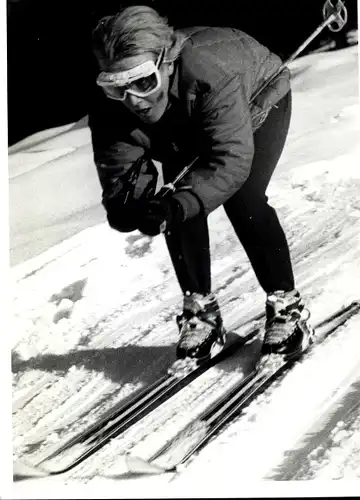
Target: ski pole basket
{"x":335,"y":14}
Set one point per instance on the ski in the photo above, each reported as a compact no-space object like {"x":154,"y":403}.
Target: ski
{"x":87,"y":443}
{"x":187,"y":442}
{"x":123,"y":416}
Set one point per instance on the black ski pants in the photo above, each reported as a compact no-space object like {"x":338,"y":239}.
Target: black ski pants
{"x":253,"y":219}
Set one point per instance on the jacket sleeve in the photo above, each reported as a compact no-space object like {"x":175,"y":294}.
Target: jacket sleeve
{"x":274,"y":91}
{"x":125,"y":172}
{"x":227,"y":147}
{"x":114,"y":151}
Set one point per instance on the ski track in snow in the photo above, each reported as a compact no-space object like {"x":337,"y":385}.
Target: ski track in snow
{"x":94,"y":318}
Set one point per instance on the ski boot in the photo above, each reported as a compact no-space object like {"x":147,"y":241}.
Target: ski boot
{"x":287,"y":331}
{"x":202,"y":334}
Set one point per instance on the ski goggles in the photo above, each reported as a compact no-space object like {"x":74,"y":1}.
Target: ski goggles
{"x":141,"y":81}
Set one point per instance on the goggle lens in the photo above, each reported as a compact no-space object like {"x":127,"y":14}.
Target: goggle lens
{"x":142,"y":87}
{"x":145,"y":84}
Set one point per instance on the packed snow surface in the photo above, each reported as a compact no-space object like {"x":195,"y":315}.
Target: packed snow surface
{"x":93,"y":321}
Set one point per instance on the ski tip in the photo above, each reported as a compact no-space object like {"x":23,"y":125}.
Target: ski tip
{"x":23,"y":470}
{"x":137,"y":465}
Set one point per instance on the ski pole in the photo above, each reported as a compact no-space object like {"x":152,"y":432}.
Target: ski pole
{"x":171,"y":186}
{"x":331,"y":14}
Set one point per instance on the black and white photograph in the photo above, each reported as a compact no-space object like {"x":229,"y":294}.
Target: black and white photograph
{"x":183,"y":281}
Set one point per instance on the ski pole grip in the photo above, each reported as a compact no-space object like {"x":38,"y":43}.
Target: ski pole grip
{"x":166,"y":190}
{"x":171,"y":186}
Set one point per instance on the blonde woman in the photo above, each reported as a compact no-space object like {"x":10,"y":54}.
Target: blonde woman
{"x":174,"y":96}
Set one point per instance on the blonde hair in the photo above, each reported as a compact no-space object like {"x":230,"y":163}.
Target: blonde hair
{"x":133,"y":31}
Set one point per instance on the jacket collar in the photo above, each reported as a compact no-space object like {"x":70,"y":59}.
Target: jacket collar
{"x":174,"y":86}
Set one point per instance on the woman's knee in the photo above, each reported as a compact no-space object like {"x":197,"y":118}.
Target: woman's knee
{"x":248,"y":206}
{"x":247,"y":200}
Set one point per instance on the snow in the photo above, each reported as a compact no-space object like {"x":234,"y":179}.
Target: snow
{"x":93,"y":320}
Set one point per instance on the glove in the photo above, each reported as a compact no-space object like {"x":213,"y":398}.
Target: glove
{"x":121,"y":216}
{"x":159,"y":214}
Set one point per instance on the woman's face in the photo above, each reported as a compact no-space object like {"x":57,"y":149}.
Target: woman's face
{"x":152,"y":107}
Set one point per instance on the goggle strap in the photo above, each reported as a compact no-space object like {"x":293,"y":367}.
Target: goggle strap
{"x":124,"y":78}
{"x":161,"y":57}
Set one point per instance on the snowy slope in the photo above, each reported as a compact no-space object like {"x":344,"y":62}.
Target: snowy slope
{"x":53,"y":189}
{"x":94,"y":321}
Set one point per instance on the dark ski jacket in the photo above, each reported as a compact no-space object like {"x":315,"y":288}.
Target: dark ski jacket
{"x":210,"y":117}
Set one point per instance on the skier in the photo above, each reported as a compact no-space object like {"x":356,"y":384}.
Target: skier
{"x":174,"y":96}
